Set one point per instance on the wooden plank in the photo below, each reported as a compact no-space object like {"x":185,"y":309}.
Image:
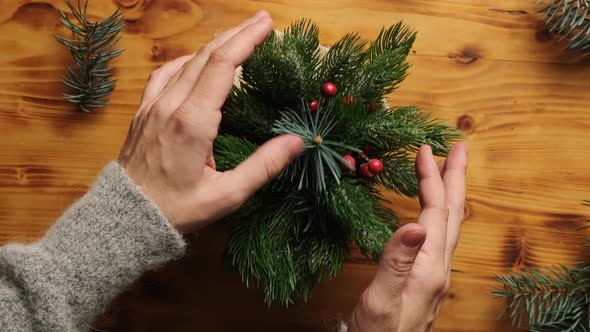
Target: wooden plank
{"x":467,"y":30}
{"x":485,"y":66}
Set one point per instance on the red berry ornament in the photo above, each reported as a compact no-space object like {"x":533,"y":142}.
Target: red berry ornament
{"x":329,"y":90}
{"x":364,"y":170}
{"x":313,"y":106}
{"x":375,"y":166}
{"x":349,"y":100}
{"x":372,"y":106}
{"x":351,"y":161}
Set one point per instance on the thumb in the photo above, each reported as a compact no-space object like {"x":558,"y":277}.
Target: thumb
{"x":397,"y":261}
{"x":264,"y":164}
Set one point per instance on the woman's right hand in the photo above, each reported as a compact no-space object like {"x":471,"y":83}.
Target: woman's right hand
{"x":414,"y":272}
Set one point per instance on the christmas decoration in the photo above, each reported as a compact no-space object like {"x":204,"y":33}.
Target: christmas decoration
{"x":569,"y":19}
{"x":349,"y":100}
{"x":349,"y":162}
{"x":92,"y":47}
{"x":372,"y":106}
{"x":550,"y":300}
{"x":365,"y":172}
{"x":329,"y":90}
{"x":375,"y":166}
{"x":313,"y":106}
{"x":296,"y":231}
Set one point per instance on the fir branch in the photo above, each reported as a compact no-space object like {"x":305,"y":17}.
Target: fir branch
{"x":300,"y":45}
{"x":544,"y":300}
{"x":398,"y":37}
{"x":305,"y":33}
{"x":91,"y":49}
{"x":354,"y":206}
{"x":553,"y":300}
{"x":381,"y":75}
{"x":287,"y":250}
{"x":341,"y":60}
{"x":230,"y":151}
{"x":569,"y":18}
{"x":405,"y":128}
{"x":245,"y":115}
{"x":399,"y":173}
{"x":283,"y":68}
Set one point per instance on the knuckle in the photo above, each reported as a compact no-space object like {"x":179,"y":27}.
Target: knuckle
{"x":445,"y":290}
{"x":180,"y":124}
{"x":374,"y":306}
{"x":220,"y":56}
{"x":438,"y":286}
{"x":272,"y":165}
{"x":206,"y":50}
{"x":235,"y":199}
{"x":155,"y":75}
{"x":399,"y":266}
{"x":443,"y":210}
{"x":160,"y":106}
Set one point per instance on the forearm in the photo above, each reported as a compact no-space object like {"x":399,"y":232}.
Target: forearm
{"x":98,"y":248}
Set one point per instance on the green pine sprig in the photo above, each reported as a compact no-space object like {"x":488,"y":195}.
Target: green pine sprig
{"x":569,"y":18}
{"x":92,"y":47}
{"x":556,"y":299}
{"x":320,"y":151}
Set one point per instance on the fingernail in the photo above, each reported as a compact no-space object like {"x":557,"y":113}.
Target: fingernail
{"x":294,"y":144}
{"x":261,"y":14}
{"x":413,"y":239}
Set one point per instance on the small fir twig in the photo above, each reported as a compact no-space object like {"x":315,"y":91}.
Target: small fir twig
{"x":92,"y":47}
{"x":570,"y":20}
{"x":314,"y":128}
{"x":550,"y":300}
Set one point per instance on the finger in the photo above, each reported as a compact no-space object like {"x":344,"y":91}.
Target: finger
{"x":397,"y":262}
{"x":217,"y":77}
{"x":454,"y":181}
{"x":211,"y":160}
{"x":160,"y":77}
{"x":441,"y":166}
{"x":432,"y":194}
{"x":263,"y":165}
{"x":183,"y":83}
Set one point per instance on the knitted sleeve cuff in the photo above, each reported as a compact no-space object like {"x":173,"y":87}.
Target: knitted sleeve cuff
{"x":108,"y":239}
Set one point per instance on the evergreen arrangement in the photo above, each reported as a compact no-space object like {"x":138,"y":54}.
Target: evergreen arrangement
{"x":92,"y":47}
{"x":552,"y":300}
{"x":297,"y":230}
{"x":569,"y":18}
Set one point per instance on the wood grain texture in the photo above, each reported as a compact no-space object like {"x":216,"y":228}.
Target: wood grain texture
{"x":488,"y":66}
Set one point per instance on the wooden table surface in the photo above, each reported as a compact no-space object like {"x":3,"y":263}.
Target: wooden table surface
{"x":487,"y":66}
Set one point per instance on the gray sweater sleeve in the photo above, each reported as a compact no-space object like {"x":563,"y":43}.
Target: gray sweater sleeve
{"x":102,"y":244}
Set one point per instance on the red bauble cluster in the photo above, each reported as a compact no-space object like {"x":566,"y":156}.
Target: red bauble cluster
{"x":368,"y":168}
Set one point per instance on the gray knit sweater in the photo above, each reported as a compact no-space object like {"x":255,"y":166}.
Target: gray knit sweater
{"x":99,"y":247}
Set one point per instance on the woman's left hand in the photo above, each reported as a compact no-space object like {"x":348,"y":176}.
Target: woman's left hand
{"x":168,"y":151}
